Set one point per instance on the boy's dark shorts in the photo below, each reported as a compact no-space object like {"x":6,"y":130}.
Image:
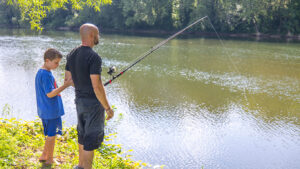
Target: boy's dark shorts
{"x":52,"y":126}
{"x":90,"y":128}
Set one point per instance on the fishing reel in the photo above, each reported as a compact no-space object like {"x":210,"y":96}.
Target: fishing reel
{"x":112,"y":70}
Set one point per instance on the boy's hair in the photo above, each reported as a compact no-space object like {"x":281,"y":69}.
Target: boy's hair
{"x":52,"y":54}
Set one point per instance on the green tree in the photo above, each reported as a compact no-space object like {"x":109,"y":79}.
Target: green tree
{"x":36,"y":10}
{"x":231,"y":16}
{"x":147,"y":14}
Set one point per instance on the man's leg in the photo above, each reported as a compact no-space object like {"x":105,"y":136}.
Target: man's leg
{"x":88,"y":159}
{"x":90,"y":124}
{"x":85,"y":158}
{"x":81,"y":159}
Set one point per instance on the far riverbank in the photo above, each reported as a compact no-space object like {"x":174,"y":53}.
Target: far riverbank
{"x":187,"y":34}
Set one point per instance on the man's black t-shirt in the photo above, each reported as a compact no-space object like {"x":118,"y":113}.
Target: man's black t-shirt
{"x":82,"y":62}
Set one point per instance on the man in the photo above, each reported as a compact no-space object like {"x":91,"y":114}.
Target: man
{"x":84,"y":67}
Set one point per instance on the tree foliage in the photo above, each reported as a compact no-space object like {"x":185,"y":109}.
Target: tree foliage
{"x":36,"y":10}
{"x":231,"y":16}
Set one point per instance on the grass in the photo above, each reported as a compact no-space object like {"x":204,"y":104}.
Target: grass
{"x":21,"y":144}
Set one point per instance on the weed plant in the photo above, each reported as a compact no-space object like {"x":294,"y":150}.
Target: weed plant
{"x":21,"y":144}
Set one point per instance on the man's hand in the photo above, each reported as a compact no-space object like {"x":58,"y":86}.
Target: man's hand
{"x":110,"y":113}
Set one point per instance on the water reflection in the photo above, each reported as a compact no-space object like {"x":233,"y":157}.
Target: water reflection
{"x":185,"y":106}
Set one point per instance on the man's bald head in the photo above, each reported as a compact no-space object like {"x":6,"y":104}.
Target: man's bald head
{"x":89,"y":33}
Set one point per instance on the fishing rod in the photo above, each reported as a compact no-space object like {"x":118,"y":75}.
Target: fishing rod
{"x":143,"y":56}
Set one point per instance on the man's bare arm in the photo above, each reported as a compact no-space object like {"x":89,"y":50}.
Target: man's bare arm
{"x":101,"y":95}
{"x":68,"y":76}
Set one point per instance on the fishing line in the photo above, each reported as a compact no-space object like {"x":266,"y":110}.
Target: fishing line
{"x":226,"y":52}
{"x":147,"y":53}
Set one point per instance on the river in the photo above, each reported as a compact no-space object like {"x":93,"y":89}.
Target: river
{"x":193,"y":103}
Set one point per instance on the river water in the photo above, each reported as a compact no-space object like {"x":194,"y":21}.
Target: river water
{"x":193,"y":103}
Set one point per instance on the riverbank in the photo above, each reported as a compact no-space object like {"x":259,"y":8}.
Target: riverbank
{"x":159,"y":33}
{"x":255,"y":36}
{"x":21,"y":144}
{"x":196,"y":34}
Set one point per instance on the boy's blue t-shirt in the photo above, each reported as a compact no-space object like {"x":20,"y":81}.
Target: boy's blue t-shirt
{"x":47,"y":108}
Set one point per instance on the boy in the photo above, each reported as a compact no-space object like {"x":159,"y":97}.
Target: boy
{"x":49,"y":103}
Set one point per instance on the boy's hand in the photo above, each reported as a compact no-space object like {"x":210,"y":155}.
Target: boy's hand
{"x":55,"y":92}
{"x":68,"y":82}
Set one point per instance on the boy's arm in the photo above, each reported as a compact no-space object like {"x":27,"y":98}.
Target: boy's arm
{"x":56,"y":91}
{"x":101,"y":95}
{"x":68,"y":82}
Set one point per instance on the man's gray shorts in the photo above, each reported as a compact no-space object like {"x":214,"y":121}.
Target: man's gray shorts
{"x":90,"y":128}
